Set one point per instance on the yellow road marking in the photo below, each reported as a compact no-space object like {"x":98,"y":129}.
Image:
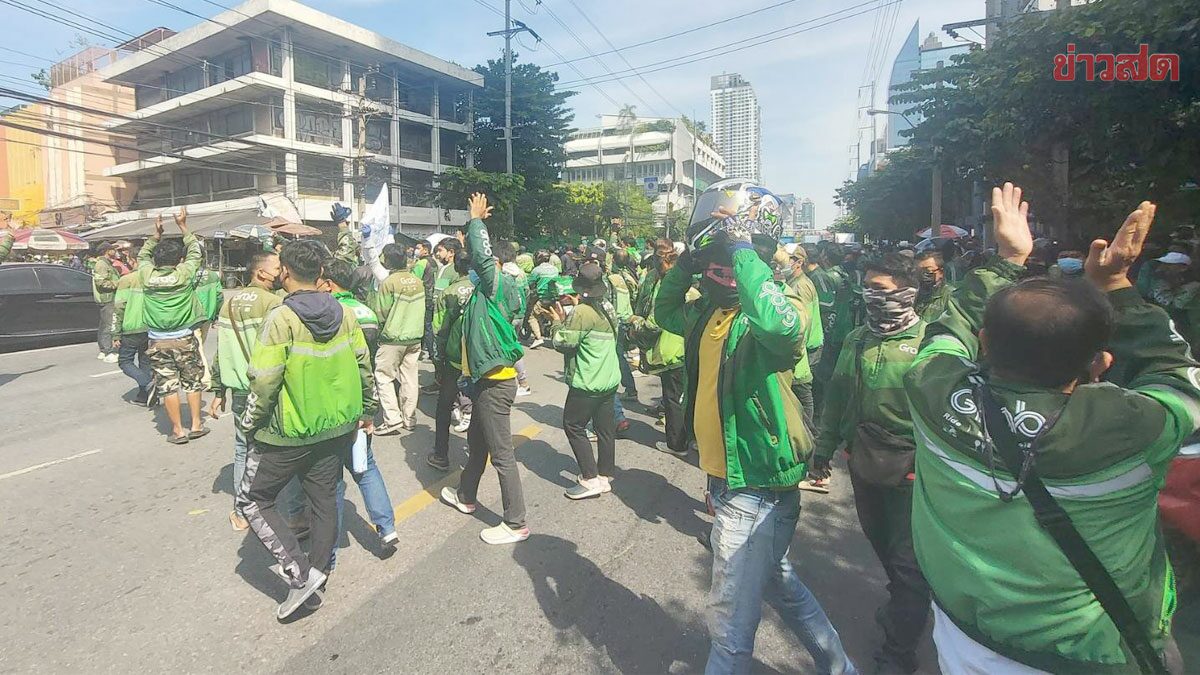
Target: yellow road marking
{"x":197,"y":512}
{"x":414,"y":504}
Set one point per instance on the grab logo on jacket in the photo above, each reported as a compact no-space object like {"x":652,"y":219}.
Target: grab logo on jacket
{"x":962,"y":403}
{"x":1025,"y":422}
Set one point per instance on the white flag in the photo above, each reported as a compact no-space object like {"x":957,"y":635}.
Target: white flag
{"x":377,"y":231}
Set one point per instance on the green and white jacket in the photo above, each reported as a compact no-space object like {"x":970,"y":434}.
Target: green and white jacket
{"x":400,"y":305}
{"x":588,"y":338}
{"x":249,"y":307}
{"x":993,"y":570}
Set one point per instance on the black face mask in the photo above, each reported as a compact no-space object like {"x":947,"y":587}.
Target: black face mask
{"x":724,"y":296}
{"x":277,"y":282}
{"x":929,"y":284}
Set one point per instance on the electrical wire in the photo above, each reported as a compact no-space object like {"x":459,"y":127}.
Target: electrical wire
{"x":685,"y":59}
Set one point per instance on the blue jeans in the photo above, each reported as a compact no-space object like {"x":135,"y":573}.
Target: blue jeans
{"x":618,"y":409}
{"x":750,"y":538}
{"x":133,"y":349}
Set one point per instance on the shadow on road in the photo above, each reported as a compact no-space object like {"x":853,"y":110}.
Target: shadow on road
{"x":637,"y":633}
{"x":655,"y":499}
{"x":224,"y":481}
{"x":5,"y":378}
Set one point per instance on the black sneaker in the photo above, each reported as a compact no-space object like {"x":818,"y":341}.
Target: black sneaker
{"x":439,"y":463}
{"x":141,"y":399}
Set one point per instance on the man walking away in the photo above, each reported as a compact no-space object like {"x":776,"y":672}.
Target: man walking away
{"x":489,"y":352}
{"x":1088,"y":393}
{"x":448,"y":362}
{"x":542,"y":282}
{"x":744,"y":336}
{"x":104,"y":287}
{"x":588,"y":339}
{"x":310,"y":389}
{"x":129,"y":325}
{"x":623,"y":287}
{"x":168,"y":279}
{"x":400,"y":305}
{"x":238,"y":326}
{"x":866,"y":409}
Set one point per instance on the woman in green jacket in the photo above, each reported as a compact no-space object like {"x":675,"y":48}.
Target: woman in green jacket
{"x":588,"y":339}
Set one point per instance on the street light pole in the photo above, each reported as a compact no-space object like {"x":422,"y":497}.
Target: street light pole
{"x":508,"y":34}
{"x":935,"y":197}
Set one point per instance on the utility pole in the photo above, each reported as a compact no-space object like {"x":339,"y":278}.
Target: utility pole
{"x":935,"y":211}
{"x":360,"y":162}
{"x":508,"y":33}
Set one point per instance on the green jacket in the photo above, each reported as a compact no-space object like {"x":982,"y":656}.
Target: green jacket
{"x":931,"y":308}
{"x":588,"y":338}
{"x":488,"y":335}
{"x":366,"y":317}
{"x":814,"y":338}
{"x":248,"y":307}
{"x":400,"y":305}
{"x":443,"y":276}
{"x":525,"y":262}
{"x":621,"y":288}
{"x":512,"y":294}
{"x":210,"y":293}
{"x":996,"y":573}
{"x":7,"y":239}
{"x":347,"y":247}
{"x":129,"y":306}
{"x":663,"y":349}
{"x":448,"y":332}
{"x":418,"y":267}
{"x":305,"y":389}
{"x":766,"y":442}
{"x":104,"y":280}
{"x":542,"y":279}
{"x":883,"y":363}
{"x":170,"y":292}
{"x":835,"y":293}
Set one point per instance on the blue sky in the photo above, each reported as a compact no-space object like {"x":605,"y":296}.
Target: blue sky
{"x":806,"y":84}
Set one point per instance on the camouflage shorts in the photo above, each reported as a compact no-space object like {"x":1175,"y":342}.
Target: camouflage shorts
{"x":177,"y":365}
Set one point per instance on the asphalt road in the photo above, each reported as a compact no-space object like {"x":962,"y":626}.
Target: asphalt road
{"x":120,"y":556}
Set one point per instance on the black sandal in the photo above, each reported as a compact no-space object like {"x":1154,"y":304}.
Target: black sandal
{"x":193,"y":435}
{"x":177,"y":440}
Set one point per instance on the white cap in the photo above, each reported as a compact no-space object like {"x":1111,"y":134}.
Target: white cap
{"x":600,"y":243}
{"x":790,"y":248}
{"x":679,"y":248}
{"x":1175,"y":258}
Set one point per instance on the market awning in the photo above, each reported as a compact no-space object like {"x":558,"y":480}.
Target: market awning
{"x":202,"y":224}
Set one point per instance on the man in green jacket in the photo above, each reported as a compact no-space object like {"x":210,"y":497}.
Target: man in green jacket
{"x":1098,"y":390}
{"x":933,"y":296}
{"x":168,"y":279}
{"x":542,"y":294}
{"x":238,"y":325}
{"x":588,"y":338}
{"x":866,"y":411}
{"x":662,"y":351}
{"x":311,"y":389}
{"x":400,"y":305}
{"x":448,"y":361}
{"x":104,"y":286}
{"x":489,"y":351}
{"x":129,"y":327}
{"x":744,"y":336}
{"x":623,"y":288}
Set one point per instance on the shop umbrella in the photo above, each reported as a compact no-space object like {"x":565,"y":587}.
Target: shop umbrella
{"x":943,"y":232}
{"x":53,"y":241}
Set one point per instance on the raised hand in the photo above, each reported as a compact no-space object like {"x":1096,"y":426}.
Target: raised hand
{"x":1010,"y":217}
{"x":1108,"y":264}
{"x":478,"y":206}
{"x":181,"y":219}
{"x":158,"y":227}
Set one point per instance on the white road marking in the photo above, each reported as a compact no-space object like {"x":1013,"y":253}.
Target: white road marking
{"x":43,"y":465}
{"x":43,"y":349}
{"x":107,"y":372}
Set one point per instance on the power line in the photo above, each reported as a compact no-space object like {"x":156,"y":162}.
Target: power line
{"x":685,"y":59}
{"x":618,"y":52}
{"x":685,"y":32}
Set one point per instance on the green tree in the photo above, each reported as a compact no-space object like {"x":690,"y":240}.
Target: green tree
{"x":1086,"y":151}
{"x":503,"y":191}
{"x":892,"y":203}
{"x":541,"y":122}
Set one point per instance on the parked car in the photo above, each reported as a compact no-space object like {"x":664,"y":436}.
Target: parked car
{"x":43,"y":304}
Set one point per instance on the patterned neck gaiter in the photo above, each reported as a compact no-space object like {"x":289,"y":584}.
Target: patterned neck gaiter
{"x":890,"y":312}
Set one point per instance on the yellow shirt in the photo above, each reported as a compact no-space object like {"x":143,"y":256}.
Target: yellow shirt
{"x":710,"y":435}
{"x":497,"y":373}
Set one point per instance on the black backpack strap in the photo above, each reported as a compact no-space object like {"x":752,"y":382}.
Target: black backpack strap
{"x":1001,"y":440}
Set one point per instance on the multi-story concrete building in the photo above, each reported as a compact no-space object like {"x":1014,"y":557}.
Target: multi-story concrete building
{"x":806,"y":217}
{"x":661,"y":155}
{"x":268,"y":99}
{"x":22,"y":164}
{"x":736,"y":125}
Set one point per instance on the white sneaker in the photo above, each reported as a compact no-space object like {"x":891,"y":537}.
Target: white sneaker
{"x":455,"y":416}
{"x":524,"y":390}
{"x":100,"y":356}
{"x":464,"y":424}
{"x":503,"y":534}
{"x":450,"y":496}
{"x":585,"y":489}
{"x":537,"y":343}
{"x":110,"y":358}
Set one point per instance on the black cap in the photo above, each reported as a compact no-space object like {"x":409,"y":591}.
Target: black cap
{"x":590,"y":280}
